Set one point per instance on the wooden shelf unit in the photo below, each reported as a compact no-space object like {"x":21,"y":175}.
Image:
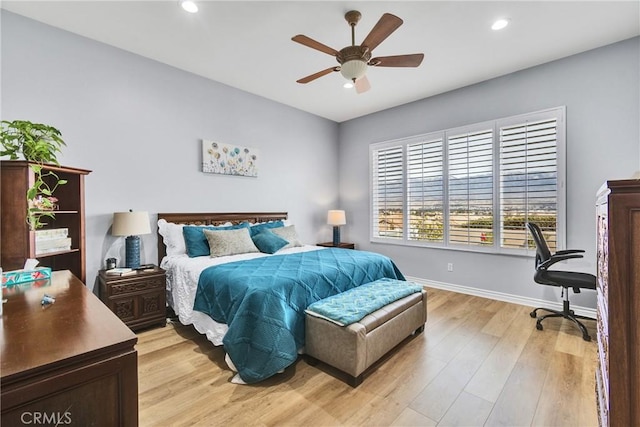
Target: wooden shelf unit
{"x":618,"y":303}
{"x":18,"y":242}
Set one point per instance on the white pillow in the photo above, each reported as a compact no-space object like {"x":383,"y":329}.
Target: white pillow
{"x":172,"y":236}
{"x":288,"y":233}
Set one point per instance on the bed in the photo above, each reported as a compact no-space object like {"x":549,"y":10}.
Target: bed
{"x":253,"y":303}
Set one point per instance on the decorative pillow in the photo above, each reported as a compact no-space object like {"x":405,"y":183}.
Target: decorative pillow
{"x":196,"y":242}
{"x":257,"y":228}
{"x":268,"y":242}
{"x":230,"y":242}
{"x":172,"y":237}
{"x":289,"y":234}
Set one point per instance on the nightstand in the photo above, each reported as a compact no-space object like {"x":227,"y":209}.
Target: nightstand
{"x":137,"y":299}
{"x":342,"y":245}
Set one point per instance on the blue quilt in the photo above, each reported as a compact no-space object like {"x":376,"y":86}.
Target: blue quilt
{"x":262,"y":301}
{"x":353,"y":305}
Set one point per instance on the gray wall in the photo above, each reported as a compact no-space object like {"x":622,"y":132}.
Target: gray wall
{"x":137,"y":124}
{"x":600,"y":90}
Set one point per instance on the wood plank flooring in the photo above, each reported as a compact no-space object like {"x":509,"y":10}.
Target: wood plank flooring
{"x":478,"y":363}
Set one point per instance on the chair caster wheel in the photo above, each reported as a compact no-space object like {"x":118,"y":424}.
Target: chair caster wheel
{"x":538,"y":326}
{"x":533,"y":314}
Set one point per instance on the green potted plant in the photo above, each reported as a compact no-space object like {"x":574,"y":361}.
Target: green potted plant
{"x":38,"y":144}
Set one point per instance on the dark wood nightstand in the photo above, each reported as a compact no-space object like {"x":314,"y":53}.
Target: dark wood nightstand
{"x":342,"y":245}
{"x":137,"y":299}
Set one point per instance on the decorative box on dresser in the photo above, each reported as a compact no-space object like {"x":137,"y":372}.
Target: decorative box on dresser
{"x":72,"y":362}
{"x":618,"y":304}
{"x":138,"y":299}
{"x":18,"y":242}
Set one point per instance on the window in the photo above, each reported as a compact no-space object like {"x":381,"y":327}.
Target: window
{"x":425,"y":191}
{"x":388,"y":192}
{"x":473,"y":187}
{"x":470,"y":189}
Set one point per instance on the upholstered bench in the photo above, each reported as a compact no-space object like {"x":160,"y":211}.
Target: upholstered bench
{"x":354,"y":347}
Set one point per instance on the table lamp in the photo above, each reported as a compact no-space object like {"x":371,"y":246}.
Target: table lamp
{"x":131,"y":224}
{"x":336,"y":218}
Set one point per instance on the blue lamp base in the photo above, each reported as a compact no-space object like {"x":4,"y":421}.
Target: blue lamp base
{"x":336,"y":235}
{"x":132,"y":254}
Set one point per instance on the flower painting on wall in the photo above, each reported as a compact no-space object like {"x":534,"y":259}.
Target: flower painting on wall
{"x":229,"y":159}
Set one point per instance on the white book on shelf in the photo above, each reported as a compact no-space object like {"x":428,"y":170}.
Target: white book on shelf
{"x":52,"y":233}
{"x":53,"y":243}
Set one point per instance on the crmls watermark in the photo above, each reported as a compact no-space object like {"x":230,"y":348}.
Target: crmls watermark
{"x":46,"y":418}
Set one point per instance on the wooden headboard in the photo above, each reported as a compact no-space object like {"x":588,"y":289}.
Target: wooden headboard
{"x":216,"y":218}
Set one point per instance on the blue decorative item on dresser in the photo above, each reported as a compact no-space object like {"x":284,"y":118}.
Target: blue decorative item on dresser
{"x":131,"y":224}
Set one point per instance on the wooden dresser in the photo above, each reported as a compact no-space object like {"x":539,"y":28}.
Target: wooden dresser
{"x":72,"y":362}
{"x":618,"y":305}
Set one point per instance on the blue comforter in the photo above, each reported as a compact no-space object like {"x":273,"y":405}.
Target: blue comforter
{"x":263,"y":301}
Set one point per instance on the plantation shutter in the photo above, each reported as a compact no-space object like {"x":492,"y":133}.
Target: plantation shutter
{"x":470,"y":187}
{"x":388,"y":193}
{"x":528,"y":182}
{"x":425,"y":191}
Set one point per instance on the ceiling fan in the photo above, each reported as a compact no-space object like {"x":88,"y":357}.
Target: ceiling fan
{"x":355,"y":59}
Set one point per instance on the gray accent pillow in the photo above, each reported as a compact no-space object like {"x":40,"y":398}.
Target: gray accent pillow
{"x":289,"y":234}
{"x":229,"y":242}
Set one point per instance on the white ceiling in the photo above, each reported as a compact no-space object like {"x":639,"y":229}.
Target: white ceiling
{"x":248,"y":45}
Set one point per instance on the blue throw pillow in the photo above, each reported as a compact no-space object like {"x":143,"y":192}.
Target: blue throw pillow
{"x":256,"y":229}
{"x":268,"y":242}
{"x":196,"y":242}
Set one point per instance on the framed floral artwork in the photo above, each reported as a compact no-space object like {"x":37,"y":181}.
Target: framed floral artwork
{"x":229,"y":159}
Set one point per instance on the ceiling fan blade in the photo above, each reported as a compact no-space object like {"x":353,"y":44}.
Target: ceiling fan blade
{"x":319,"y":74}
{"x":314,"y":44}
{"x":362,"y":84}
{"x":413,"y":60}
{"x":387,"y":24}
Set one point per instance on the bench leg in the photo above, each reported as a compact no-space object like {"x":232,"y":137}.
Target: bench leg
{"x":312,"y":360}
{"x":355,"y":381}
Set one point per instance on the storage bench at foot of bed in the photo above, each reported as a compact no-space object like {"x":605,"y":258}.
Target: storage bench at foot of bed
{"x":354,"y":348}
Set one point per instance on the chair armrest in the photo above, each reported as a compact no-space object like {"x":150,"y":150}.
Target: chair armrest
{"x":570,"y":251}
{"x":556,"y":258}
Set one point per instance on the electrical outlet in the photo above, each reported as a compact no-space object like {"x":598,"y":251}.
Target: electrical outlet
{"x":450,"y":266}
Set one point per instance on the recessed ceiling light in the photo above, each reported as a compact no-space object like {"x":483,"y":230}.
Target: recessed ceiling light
{"x":347,"y":85}
{"x":500,"y":24}
{"x":189,"y":6}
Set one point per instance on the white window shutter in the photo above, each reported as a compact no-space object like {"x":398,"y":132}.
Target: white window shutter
{"x":388,"y":193}
{"x":528,"y":182}
{"x":425,"y":191}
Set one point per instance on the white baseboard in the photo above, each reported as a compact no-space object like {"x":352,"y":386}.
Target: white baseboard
{"x":500,"y":296}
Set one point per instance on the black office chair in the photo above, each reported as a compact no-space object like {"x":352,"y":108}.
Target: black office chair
{"x":563,"y":279}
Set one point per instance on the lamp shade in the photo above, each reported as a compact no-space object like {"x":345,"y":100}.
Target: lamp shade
{"x":353,"y":69}
{"x":336,"y":217}
{"x":130,"y":224}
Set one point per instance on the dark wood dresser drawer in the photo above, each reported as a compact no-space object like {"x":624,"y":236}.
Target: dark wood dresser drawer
{"x":139,"y":299}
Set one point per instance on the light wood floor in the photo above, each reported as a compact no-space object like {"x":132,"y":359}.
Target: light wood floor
{"x":479,"y":362}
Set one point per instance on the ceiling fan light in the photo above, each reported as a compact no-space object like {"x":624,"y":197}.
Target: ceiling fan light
{"x":348,"y":84}
{"x":189,"y":6}
{"x":500,"y":24}
{"x":353,"y":69}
